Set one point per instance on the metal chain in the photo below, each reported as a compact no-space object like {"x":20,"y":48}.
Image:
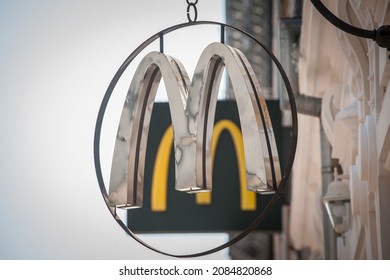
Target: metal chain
{"x":191,"y":9}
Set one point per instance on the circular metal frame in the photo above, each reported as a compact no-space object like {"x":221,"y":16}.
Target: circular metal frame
{"x":282,"y":186}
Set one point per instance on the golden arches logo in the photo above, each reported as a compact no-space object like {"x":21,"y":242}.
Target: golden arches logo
{"x":161,"y":168}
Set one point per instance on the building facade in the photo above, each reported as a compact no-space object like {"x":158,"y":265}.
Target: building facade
{"x":352,"y":77}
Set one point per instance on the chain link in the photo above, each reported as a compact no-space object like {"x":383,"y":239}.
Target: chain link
{"x":192,"y":11}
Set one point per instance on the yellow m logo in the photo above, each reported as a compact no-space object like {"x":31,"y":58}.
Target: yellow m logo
{"x":161,"y":165}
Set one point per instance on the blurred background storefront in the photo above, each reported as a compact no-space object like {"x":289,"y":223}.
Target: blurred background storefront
{"x":342,"y":92}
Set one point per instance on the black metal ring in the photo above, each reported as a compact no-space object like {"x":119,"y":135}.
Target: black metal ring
{"x":286,"y":173}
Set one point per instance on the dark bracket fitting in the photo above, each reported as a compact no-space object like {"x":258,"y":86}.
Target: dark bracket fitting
{"x":382,"y":36}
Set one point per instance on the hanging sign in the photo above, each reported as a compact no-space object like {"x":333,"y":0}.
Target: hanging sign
{"x":169,"y":185}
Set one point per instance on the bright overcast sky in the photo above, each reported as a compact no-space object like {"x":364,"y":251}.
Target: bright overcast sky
{"x":57,"y":59}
